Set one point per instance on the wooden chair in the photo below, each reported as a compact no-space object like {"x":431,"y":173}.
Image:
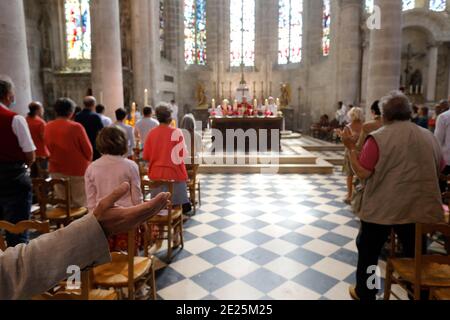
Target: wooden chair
{"x":127,"y":271}
{"x":169,"y":222}
{"x":425,"y":271}
{"x":21,"y":227}
{"x":57,"y":211}
{"x":86,"y":292}
{"x":193,"y":183}
{"x":440,"y":294}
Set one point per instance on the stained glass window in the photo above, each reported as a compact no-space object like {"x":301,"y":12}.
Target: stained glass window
{"x":162,"y":28}
{"x":290,"y":31}
{"x":195,"y":32}
{"x":78,"y":29}
{"x":437,"y":5}
{"x":408,"y":4}
{"x":326,"y":40}
{"x":242,"y":33}
{"x":369,"y":6}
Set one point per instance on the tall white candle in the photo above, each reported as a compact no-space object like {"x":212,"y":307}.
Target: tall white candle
{"x":101,"y":97}
{"x":146,"y":97}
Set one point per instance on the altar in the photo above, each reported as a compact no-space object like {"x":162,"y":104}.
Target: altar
{"x":258,"y":124}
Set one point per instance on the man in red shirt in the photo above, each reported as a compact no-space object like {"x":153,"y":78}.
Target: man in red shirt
{"x":37,"y":129}
{"x":16,"y":153}
{"x":70,"y":151}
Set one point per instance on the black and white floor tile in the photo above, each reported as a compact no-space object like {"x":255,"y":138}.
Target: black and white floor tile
{"x":266,"y":237}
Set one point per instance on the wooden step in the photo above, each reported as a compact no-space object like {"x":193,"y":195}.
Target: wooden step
{"x":320,"y":167}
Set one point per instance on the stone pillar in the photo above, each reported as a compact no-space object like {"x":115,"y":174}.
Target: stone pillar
{"x":107,"y":77}
{"x":349,"y":72}
{"x":385,"y":52}
{"x":140,"y":26}
{"x":432,"y":73}
{"x":14,"y":52}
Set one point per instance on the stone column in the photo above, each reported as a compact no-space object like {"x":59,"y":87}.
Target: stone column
{"x":432,"y":73}
{"x":14,"y":52}
{"x":385,"y":52}
{"x":140,"y":26}
{"x":350,"y":51}
{"x":107,"y":77}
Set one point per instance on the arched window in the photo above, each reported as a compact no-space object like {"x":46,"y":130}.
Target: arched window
{"x":195,"y":32}
{"x":409,"y":4}
{"x":437,"y":5}
{"x":369,"y":6}
{"x":290,"y":31}
{"x":326,"y":21}
{"x":242,"y":33}
{"x":78,"y":29}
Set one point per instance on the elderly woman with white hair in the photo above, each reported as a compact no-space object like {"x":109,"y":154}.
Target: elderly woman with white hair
{"x":399,"y":165}
{"x":353,"y":129}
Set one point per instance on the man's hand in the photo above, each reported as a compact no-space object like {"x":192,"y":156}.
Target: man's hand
{"x":115,"y":220}
{"x":348,"y":140}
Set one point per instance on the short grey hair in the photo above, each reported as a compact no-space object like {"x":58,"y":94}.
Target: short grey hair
{"x":396,"y":107}
{"x":188,"y":122}
{"x":6,"y":86}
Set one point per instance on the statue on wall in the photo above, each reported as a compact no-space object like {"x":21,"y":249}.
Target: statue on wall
{"x":285,"y":98}
{"x":200,"y":95}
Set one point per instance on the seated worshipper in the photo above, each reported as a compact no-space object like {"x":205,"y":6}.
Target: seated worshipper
{"x":400,"y":165}
{"x":422,"y":119}
{"x":372,"y":125}
{"x":112,"y":145}
{"x":145,"y":125}
{"x":188,"y":125}
{"x":17,"y":153}
{"x":100,"y":109}
{"x":353,"y":129}
{"x":91,"y":122}
{"x":29,"y":270}
{"x":70,"y":151}
{"x":121,"y":115}
{"x":37,"y":129}
{"x":165,"y":151}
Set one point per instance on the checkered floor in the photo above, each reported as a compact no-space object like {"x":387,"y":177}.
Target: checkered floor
{"x":266,"y":237}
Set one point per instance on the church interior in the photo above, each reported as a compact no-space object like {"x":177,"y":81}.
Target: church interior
{"x":225,"y":149}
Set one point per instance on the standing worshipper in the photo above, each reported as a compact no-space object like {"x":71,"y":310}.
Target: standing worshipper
{"x":145,"y":125}
{"x":175,"y":110}
{"x":37,"y":125}
{"x":442,"y":134}
{"x":17,"y":151}
{"x":91,"y":122}
{"x":353,"y":129}
{"x":70,"y":151}
{"x":400,"y":166}
{"x":100,"y":109}
{"x":121,"y":115}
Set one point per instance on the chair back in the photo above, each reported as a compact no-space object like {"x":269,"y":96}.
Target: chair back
{"x":421,"y":256}
{"x":64,"y":294}
{"x":45,"y":192}
{"x":21,"y":227}
{"x":147,"y":186}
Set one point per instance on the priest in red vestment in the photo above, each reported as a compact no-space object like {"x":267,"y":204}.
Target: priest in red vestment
{"x":245,"y":107}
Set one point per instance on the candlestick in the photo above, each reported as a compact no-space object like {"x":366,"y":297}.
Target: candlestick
{"x":270,"y":89}
{"x":213,"y":103}
{"x":146,"y":97}
{"x":266,"y":102}
{"x":255,"y":103}
{"x":278,"y":102}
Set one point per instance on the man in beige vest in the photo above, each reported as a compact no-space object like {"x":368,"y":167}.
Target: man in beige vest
{"x":400,"y":165}
{"x":29,"y":270}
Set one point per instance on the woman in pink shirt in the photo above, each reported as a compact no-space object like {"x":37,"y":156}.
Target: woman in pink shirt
{"x":111,"y":170}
